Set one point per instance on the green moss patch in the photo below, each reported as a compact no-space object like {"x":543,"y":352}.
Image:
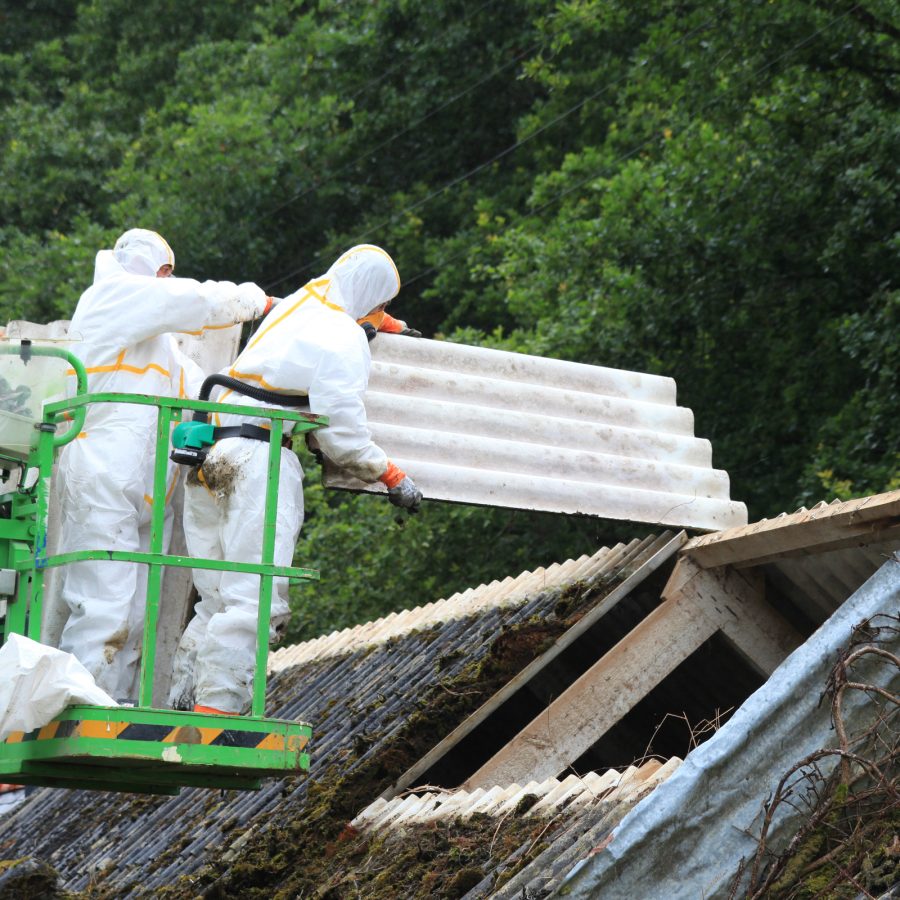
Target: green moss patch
{"x":29,"y":879}
{"x":317,"y":854}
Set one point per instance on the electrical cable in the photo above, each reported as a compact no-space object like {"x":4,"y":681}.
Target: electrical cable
{"x":361,"y":90}
{"x":332,"y":176}
{"x":321,"y":257}
{"x":609,"y":168}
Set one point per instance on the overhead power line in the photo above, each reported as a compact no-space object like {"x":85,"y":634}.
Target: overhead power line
{"x":319,"y":259}
{"x":329,"y":177}
{"x":611,"y":167}
{"x":333,"y":176}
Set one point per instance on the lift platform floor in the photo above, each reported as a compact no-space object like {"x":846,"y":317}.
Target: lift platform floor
{"x":156,"y":751}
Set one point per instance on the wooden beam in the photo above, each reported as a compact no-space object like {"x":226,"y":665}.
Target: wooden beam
{"x":697,"y":603}
{"x":826,"y":526}
{"x":735,"y":600}
{"x":645,"y":563}
{"x":878,"y":534}
{"x":601,"y":696}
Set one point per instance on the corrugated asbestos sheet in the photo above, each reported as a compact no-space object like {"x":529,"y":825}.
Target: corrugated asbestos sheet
{"x":550,"y":797}
{"x":572,"y":817}
{"x":359,"y":700}
{"x":508,"y":592}
{"x":481,"y":426}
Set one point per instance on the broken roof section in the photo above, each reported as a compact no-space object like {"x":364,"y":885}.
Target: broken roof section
{"x":495,"y":428}
{"x":486,"y":689}
{"x":725,"y":818}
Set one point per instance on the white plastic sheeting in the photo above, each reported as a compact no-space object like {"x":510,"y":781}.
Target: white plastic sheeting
{"x":39,"y":682}
{"x":702,"y":820}
{"x":488,"y":427}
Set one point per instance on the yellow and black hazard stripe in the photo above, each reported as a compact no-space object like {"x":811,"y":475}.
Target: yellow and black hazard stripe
{"x":53,"y":730}
{"x":163,"y":734}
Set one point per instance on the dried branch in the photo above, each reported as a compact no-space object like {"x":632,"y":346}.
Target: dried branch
{"x":848,"y":807}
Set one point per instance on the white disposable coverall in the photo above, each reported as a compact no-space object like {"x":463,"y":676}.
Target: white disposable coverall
{"x":123,"y":322}
{"x":309,"y":344}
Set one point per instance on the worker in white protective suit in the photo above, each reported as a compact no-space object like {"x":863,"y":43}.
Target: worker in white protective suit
{"x":124,"y":323}
{"x":311,"y":344}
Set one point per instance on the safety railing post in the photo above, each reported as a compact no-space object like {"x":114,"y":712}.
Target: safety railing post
{"x":44,"y":458}
{"x":266,"y":582}
{"x":157,"y":538}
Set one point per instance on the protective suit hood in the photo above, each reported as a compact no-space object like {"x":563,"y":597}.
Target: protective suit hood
{"x":363,"y":278}
{"x":106,"y":266}
{"x":142,"y":252}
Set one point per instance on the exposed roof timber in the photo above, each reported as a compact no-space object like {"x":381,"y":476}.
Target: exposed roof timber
{"x":697,"y":604}
{"x":652,"y":554}
{"x":705,"y":822}
{"x":878,"y":533}
{"x":480,"y":426}
{"x":867,"y":520}
{"x":586,"y":710}
{"x":737,"y":597}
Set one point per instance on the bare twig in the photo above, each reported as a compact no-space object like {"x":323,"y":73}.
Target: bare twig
{"x":848,"y":804}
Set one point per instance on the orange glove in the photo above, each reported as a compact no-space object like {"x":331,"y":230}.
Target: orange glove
{"x":397,"y":326}
{"x":393,"y":475}
{"x":402,"y":490}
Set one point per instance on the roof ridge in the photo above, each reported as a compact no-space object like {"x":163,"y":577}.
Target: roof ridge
{"x":507,"y":592}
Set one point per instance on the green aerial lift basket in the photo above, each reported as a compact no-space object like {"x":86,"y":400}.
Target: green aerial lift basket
{"x":123,"y":748}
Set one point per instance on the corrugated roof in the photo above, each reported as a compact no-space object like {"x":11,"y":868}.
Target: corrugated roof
{"x":816,"y":557}
{"x":550,"y":797}
{"x":826,"y":526}
{"x":505,"y":842}
{"x":481,"y":426}
{"x":497,"y":594}
{"x":379,"y":705}
{"x":364,"y":703}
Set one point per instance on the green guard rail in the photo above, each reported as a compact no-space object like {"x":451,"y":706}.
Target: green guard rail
{"x":31,"y":558}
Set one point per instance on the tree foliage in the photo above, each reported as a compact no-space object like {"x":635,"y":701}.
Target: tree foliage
{"x":702,"y":189}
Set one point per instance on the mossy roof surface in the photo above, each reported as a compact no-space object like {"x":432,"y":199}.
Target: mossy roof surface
{"x":375,"y":712}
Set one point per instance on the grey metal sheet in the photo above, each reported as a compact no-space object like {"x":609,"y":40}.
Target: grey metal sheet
{"x":488,"y":427}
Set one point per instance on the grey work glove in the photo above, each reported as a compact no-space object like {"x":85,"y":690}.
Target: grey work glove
{"x":406,"y":495}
